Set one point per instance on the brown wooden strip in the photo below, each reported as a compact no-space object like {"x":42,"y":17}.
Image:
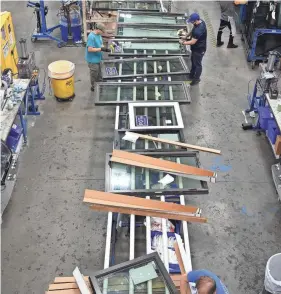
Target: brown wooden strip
{"x":180,"y":144}
{"x":144,"y":209}
{"x":163,"y":214}
{"x":160,"y":164}
{"x":175,"y":277}
{"x":63,"y":286}
{"x":67,"y":291}
{"x":128,"y":206}
{"x":137,"y":201}
{"x":179,"y":257}
{"x":68,"y":279}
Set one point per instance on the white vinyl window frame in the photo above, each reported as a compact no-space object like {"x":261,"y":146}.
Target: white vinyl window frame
{"x":175,"y":105}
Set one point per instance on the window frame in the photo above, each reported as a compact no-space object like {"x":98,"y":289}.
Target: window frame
{"x":152,"y":257}
{"x":132,"y":118}
{"x":183,"y":71}
{"x":157,"y":192}
{"x":185,"y":88}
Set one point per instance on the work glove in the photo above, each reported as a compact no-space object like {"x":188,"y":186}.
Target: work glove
{"x":104,"y":49}
{"x":181,"y":33}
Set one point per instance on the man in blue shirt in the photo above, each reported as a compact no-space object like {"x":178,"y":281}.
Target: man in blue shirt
{"x":93,"y":54}
{"x":198,"y":44}
{"x":206,"y":283}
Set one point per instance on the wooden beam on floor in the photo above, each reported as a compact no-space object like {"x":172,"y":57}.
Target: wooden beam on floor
{"x":175,"y":143}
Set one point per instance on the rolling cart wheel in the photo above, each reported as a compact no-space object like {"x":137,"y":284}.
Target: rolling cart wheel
{"x":59,"y":100}
{"x":258,"y":133}
{"x":33,"y":39}
{"x":253,"y":64}
{"x":247,"y":126}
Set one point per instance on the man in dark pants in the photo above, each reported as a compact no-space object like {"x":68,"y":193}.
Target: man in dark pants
{"x":93,"y":54}
{"x":198,"y":45}
{"x":227,"y":11}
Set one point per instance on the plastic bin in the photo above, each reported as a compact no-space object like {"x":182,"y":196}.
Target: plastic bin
{"x":264,"y":116}
{"x":272,"y":131}
{"x":272,"y":281}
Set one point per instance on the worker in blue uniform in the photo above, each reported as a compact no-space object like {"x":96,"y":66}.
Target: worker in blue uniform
{"x":206,"y":283}
{"x":93,"y":54}
{"x":198,"y":45}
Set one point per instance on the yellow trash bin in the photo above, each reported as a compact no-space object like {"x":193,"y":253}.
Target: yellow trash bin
{"x":61,"y":73}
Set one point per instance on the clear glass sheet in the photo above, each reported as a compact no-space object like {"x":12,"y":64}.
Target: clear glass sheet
{"x":147,"y":32}
{"x":121,"y":281}
{"x":157,"y":115}
{"x":124,"y":4}
{"x":151,"y":46}
{"x":141,"y":144}
{"x":131,"y":18}
{"x":121,"y":176}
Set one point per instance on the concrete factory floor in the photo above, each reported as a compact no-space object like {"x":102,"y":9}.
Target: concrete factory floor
{"x":47,"y":230}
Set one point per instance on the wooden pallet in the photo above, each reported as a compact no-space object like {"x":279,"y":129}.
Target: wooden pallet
{"x":66,"y":285}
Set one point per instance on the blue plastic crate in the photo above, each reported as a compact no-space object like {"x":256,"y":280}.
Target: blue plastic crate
{"x":264,"y":116}
{"x":272,"y":131}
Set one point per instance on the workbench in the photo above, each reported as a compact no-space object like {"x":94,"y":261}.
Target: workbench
{"x":8,"y":116}
{"x":7,"y":119}
{"x":277,"y":117}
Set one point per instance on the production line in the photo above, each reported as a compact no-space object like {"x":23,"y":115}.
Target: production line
{"x":156,"y":183}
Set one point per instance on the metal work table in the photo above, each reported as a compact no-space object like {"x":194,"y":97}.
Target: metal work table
{"x":7,"y":119}
{"x":8,"y":116}
{"x":273,"y":105}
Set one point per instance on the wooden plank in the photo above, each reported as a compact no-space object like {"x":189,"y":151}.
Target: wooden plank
{"x":67,"y":279}
{"x":128,"y":206}
{"x":179,"y":258}
{"x":159,"y":164}
{"x":63,"y":286}
{"x":122,"y":205}
{"x":163,"y":214}
{"x":137,"y":201}
{"x":67,"y":291}
{"x":180,"y":144}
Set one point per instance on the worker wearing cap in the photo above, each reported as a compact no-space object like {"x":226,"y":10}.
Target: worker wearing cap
{"x":206,"y":283}
{"x":93,"y":53}
{"x":198,"y":45}
{"x":227,"y":12}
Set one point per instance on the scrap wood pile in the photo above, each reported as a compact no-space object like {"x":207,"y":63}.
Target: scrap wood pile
{"x":104,"y":201}
{"x":67,"y":285}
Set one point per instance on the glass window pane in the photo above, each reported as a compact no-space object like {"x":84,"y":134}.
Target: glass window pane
{"x":147,"y":32}
{"x":141,"y":144}
{"x":135,"y":277}
{"x":108,"y":93}
{"x":157,"y":116}
{"x":121,"y":176}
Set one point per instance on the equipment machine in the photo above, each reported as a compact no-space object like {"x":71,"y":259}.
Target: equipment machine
{"x":9,"y":54}
{"x":42,"y":31}
{"x":266,"y":83}
{"x":261,"y":29}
